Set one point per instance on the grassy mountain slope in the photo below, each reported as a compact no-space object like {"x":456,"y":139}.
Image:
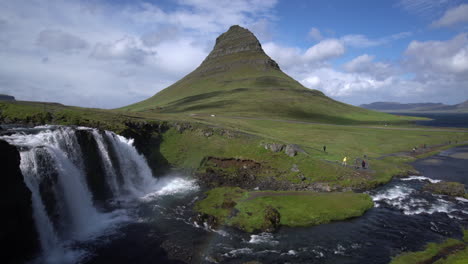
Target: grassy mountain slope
{"x":239,"y":79}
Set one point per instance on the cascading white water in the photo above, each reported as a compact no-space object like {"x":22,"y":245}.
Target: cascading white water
{"x":57,"y":170}
{"x":111,"y":174}
{"x":138,"y":179}
{"x":57,"y":152}
{"x":52,"y":159}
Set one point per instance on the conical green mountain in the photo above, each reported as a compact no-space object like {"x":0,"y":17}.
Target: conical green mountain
{"x":237,"y":78}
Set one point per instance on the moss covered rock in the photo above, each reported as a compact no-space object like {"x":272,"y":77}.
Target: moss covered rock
{"x":446,"y":188}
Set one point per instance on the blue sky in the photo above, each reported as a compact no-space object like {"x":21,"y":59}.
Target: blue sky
{"x":110,"y":53}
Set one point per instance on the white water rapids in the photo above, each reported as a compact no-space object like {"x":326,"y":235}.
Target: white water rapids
{"x":64,"y":211}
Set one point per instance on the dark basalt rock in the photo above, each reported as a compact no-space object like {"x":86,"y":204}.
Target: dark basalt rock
{"x":93,"y":164}
{"x":148,"y":137}
{"x":18,"y":235}
{"x":244,"y":45}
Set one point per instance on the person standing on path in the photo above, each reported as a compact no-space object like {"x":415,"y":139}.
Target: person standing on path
{"x":344,"y":161}
{"x":363,"y":164}
{"x":324,"y":148}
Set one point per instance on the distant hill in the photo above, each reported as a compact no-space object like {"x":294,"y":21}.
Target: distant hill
{"x":238,"y":78}
{"x":4,"y":97}
{"x":416,"y":107}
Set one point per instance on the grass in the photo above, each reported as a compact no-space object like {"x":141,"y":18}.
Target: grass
{"x":295,"y":208}
{"x":436,"y":252}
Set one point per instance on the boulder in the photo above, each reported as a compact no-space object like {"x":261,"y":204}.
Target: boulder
{"x":271,"y":219}
{"x":295,"y":168}
{"x":446,"y":188}
{"x":292,"y":149}
{"x":18,"y":234}
{"x":275,"y":147}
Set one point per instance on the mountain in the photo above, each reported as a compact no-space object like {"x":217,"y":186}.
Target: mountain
{"x":4,"y":97}
{"x":416,"y":107}
{"x":238,"y":78}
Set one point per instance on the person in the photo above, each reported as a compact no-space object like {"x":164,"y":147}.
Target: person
{"x":344,"y":161}
{"x":363,"y":164}
{"x":414,"y":149}
{"x":324,"y":148}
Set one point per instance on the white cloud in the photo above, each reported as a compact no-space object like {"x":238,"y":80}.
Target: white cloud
{"x":439,"y":57}
{"x":57,"y":40}
{"x":315,"y":34}
{"x":325,"y":49}
{"x":453,"y":16}
{"x":316,"y":55}
{"x":361,"y":41}
{"x":366,"y":64}
{"x":127,"y":49}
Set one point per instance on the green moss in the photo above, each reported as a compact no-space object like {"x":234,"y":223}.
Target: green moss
{"x":295,"y":208}
{"x":432,"y":250}
{"x":459,"y":257}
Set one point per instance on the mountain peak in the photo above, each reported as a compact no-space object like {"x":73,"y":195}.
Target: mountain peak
{"x":235,"y":47}
{"x":236,"y":39}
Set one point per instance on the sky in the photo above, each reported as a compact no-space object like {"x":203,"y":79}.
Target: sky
{"x":111,"y":53}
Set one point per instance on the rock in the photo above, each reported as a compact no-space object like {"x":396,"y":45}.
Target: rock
{"x":272,"y":219}
{"x":18,"y":234}
{"x":275,"y":147}
{"x":295,"y":168}
{"x":210,"y":220}
{"x":93,"y":165}
{"x":208,"y":133}
{"x":290,"y":150}
{"x":446,"y":188}
{"x":302,"y":177}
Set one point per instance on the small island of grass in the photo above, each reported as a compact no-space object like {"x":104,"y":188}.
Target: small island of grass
{"x":267,"y":210}
{"x":451,"y":251}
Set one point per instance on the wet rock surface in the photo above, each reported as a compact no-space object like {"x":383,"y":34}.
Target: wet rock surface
{"x":18,"y":234}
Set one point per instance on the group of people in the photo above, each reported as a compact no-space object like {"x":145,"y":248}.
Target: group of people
{"x":364,"y":164}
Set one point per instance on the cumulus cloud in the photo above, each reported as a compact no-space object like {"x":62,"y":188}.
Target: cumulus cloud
{"x":316,"y":55}
{"x":439,"y":57}
{"x":365,"y":64}
{"x":57,"y":40}
{"x":453,"y":16}
{"x":325,"y":49}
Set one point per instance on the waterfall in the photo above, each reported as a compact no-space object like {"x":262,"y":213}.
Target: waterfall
{"x":138,"y":179}
{"x":63,"y":206}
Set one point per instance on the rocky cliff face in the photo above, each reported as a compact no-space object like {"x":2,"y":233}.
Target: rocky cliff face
{"x":18,"y":235}
{"x":237,"y":46}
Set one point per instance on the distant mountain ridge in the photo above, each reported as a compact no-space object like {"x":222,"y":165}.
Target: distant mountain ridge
{"x":5,"y":97}
{"x":416,"y":107}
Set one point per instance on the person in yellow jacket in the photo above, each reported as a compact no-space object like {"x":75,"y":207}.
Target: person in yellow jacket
{"x":344,"y":161}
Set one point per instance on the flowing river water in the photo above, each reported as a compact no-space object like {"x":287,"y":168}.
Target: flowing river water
{"x":150,"y":220}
